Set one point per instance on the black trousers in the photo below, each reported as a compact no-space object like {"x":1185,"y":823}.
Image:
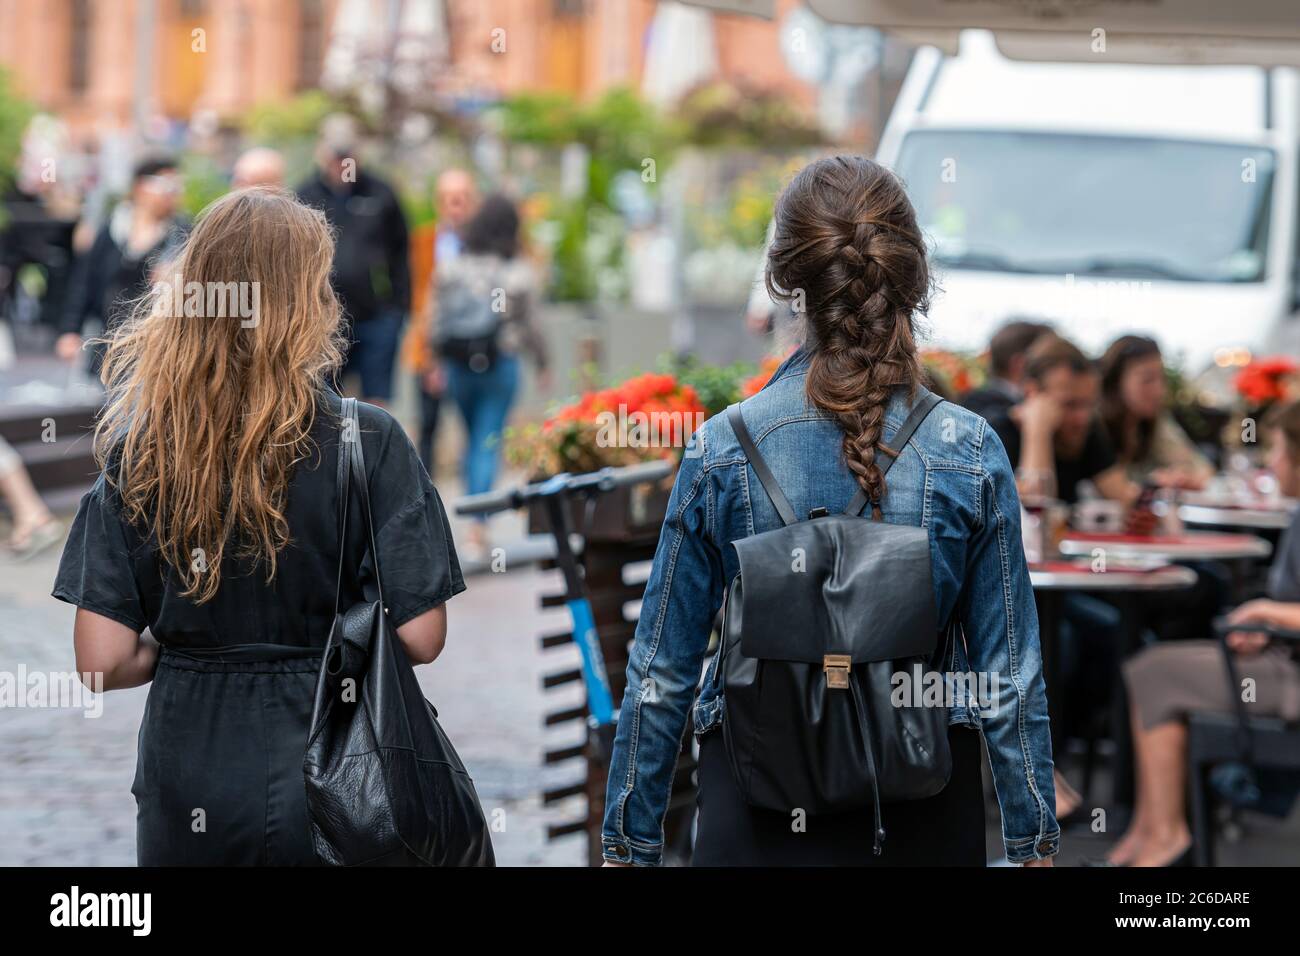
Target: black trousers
{"x":944,"y":830}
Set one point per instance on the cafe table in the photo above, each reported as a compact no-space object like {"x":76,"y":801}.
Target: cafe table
{"x":1123,"y":584}
{"x":1239,"y":552}
{"x":1189,"y":546}
{"x":1208,"y":510}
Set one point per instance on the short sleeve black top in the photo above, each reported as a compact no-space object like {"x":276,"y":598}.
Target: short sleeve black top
{"x":1096,"y":456}
{"x":111,"y":568}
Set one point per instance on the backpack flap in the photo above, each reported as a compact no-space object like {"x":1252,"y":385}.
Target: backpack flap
{"x":837,"y":585}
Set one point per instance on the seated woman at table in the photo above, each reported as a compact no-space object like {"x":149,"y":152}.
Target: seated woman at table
{"x":1148,"y":443}
{"x":1151,"y":447}
{"x":1168,"y":681}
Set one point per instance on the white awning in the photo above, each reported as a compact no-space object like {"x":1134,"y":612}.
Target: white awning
{"x":1267,"y":19}
{"x":1244,"y":32}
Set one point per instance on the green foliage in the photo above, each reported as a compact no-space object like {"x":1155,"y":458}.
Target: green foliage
{"x":418,"y":205}
{"x":203,"y":183}
{"x":288,"y":120}
{"x":716,"y":385}
{"x":619,"y":132}
{"x":15,"y":113}
{"x":572,"y":280}
{"x":542,"y":119}
{"x":722,"y":114}
{"x":622,"y":131}
{"x":619,"y":129}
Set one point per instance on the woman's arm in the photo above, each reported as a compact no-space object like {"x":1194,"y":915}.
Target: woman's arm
{"x":1000,"y":623}
{"x":1283,"y":615}
{"x":681,"y":597}
{"x":123,"y":656}
{"x":1177,"y":461}
{"x":424,"y":636}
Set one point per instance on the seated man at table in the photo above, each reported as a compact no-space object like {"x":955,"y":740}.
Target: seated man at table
{"x":1168,"y":681}
{"x":1006,"y":383}
{"x":1053,"y":437}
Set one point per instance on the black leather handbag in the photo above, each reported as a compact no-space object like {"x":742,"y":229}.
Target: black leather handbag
{"x":822,"y":616}
{"x":384,"y":784}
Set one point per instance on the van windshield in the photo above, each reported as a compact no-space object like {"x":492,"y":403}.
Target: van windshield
{"x":1009,"y":201}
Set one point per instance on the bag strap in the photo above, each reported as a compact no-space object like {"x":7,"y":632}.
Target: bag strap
{"x":920,"y":412}
{"x":764,"y":473}
{"x":352,"y":469}
{"x":342,"y":493}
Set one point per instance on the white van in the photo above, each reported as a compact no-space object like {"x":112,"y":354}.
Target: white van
{"x":1105,"y":197}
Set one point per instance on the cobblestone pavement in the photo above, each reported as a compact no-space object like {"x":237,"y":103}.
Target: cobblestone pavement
{"x":65,"y":779}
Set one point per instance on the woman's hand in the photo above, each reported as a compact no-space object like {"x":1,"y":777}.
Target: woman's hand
{"x":1039,"y":414}
{"x":434,"y":378}
{"x":68,"y":346}
{"x":1283,"y":615}
{"x":613,"y":864}
{"x":1047,"y":862}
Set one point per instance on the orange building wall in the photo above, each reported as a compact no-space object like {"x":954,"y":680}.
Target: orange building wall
{"x":252,"y":52}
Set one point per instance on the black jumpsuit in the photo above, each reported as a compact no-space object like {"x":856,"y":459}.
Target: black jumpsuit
{"x":219,"y":777}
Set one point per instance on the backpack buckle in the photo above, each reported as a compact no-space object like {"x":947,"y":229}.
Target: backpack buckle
{"x":836,"y":667}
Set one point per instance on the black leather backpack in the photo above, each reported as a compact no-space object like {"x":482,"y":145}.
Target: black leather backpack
{"x":821,"y":617}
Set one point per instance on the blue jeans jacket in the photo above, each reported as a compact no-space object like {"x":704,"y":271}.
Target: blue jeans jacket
{"x":954,"y":479}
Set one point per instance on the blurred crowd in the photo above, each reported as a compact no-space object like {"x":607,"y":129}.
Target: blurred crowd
{"x":461,"y":335}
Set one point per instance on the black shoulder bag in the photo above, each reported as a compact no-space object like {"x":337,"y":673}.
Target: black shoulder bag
{"x":384,"y":784}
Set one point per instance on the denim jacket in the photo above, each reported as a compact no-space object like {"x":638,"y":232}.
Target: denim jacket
{"x":954,"y":479}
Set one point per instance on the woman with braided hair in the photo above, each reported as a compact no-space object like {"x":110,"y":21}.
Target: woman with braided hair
{"x":848,"y":257}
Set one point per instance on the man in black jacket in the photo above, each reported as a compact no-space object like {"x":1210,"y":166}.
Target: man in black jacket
{"x":372,"y":274}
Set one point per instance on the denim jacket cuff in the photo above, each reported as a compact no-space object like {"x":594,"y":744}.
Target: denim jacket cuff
{"x":618,"y":850}
{"x":1033,"y":848}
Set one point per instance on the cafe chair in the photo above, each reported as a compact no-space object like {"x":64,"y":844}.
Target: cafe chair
{"x":1248,"y":762}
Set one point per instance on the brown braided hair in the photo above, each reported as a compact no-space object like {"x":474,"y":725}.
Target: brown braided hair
{"x":847,"y":252}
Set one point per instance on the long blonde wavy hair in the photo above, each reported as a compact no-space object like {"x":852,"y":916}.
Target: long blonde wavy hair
{"x":209,"y":411}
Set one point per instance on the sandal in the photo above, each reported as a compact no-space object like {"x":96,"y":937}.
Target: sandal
{"x":38,"y":539}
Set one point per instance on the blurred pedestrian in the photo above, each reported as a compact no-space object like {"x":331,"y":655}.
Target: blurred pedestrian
{"x":1150,"y":445}
{"x":121,"y":265}
{"x":214,"y":527}
{"x":485,"y":317}
{"x":372,"y":272}
{"x":259,"y":166}
{"x":457,"y":198}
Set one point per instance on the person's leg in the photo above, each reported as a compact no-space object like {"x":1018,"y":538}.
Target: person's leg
{"x":428,"y":437}
{"x":462,"y":387}
{"x":497,"y":389}
{"x":1130,"y":843}
{"x":1166,"y":682}
{"x":1161,"y":755}
{"x":30,"y":514}
{"x":381,"y":335}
